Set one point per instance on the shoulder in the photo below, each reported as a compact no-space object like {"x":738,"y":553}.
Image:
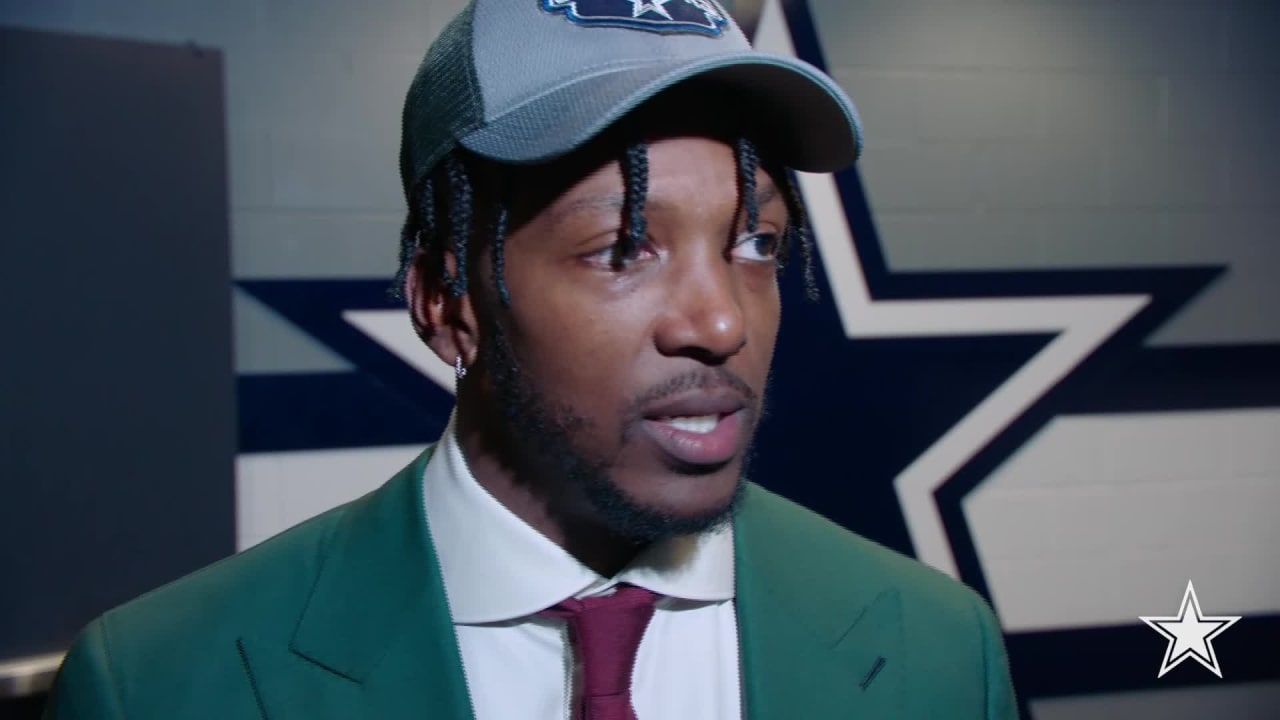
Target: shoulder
{"x":800,"y":548}
{"x":159,"y":652}
{"x":179,"y":650}
{"x":250,"y":589}
{"x":262,"y":590}
{"x":788,"y":529}
{"x":259,"y":592}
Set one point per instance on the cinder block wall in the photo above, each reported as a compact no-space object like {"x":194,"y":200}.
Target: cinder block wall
{"x":1066,"y":133}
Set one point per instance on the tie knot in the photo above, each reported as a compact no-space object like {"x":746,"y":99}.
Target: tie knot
{"x":606,"y":632}
{"x":625,"y":599}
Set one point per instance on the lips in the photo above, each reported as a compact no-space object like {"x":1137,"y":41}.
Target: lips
{"x":697,"y":404}
{"x":700,"y":429}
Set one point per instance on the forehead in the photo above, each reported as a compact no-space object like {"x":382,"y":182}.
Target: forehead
{"x":691,"y":131}
{"x":686,"y":174}
{"x":690,"y":173}
{"x":704,"y":160}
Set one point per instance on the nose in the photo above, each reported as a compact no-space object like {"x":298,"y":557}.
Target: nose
{"x":703,"y":316}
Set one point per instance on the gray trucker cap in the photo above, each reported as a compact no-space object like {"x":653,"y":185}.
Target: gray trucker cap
{"x":523,"y":81}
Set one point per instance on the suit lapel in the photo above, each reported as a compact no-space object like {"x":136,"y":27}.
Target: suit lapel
{"x":376,"y":639}
{"x":820,"y":635}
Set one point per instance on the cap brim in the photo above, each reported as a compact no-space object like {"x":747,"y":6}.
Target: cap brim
{"x":820,"y":130}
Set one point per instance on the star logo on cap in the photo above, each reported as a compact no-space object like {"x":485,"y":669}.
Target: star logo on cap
{"x":700,"y":17}
{"x":1190,"y":634}
{"x":640,"y":7}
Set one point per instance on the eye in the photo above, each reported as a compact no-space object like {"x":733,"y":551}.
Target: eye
{"x":757,"y":247}
{"x":609,"y":257}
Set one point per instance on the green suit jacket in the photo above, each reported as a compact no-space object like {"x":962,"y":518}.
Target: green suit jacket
{"x":345,"y":617}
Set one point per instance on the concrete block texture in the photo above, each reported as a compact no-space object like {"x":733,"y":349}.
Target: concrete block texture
{"x":1085,"y":127}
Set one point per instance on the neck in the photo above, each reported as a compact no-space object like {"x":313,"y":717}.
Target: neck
{"x":546,"y":504}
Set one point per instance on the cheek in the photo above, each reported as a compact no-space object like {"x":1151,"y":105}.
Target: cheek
{"x":579,"y":350}
{"x":762,"y":309}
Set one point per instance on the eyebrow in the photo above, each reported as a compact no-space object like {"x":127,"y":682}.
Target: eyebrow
{"x":766,"y":192}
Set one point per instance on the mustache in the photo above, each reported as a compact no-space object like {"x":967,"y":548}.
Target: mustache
{"x":712,"y":378}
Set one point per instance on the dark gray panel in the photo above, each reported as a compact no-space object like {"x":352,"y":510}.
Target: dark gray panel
{"x":116,"y":390}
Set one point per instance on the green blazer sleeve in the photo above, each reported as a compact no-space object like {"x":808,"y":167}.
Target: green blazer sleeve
{"x":1001,"y":703}
{"x":85,"y":688}
{"x":343,"y":617}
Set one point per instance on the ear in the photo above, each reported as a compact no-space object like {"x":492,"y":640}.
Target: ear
{"x":447,"y":324}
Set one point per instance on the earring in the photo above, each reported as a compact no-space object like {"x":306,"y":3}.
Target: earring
{"x":458,"y":367}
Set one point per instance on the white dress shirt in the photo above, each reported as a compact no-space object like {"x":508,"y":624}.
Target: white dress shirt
{"x":499,"y":572}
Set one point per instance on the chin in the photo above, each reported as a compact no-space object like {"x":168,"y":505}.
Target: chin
{"x":676,"y":504}
{"x":687,"y":494}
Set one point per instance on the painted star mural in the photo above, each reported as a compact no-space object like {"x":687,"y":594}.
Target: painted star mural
{"x":895,"y":398}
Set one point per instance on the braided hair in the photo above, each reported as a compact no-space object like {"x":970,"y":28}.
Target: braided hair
{"x":422,"y":231}
{"x":748,"y":164}
{"x":635,"y":173}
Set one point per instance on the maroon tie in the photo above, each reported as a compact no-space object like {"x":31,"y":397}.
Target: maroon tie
{"x":606,"y":631}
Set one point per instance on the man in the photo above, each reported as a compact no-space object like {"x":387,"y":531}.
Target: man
{"x":598,"y":209}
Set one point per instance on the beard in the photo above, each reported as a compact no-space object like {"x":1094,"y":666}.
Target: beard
{"x":542,"y":435}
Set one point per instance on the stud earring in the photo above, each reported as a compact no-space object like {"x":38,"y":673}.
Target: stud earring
{"x":458,"y":367}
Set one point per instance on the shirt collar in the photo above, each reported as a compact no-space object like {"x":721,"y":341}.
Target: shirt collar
{"x":496,"y":567}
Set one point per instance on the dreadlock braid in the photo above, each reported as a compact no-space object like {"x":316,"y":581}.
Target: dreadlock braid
{"x":635,"y":170}
{"x":427,"y":207}
{"x":748,"y":164}
{"x":496,"y":250}
{"x":798,"y":234}
{"x":420,"y":223}
{"x":460,"y":212}
{"x":408,"y":244}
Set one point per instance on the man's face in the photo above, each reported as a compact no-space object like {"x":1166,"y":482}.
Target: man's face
{"x":638,"y":382}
